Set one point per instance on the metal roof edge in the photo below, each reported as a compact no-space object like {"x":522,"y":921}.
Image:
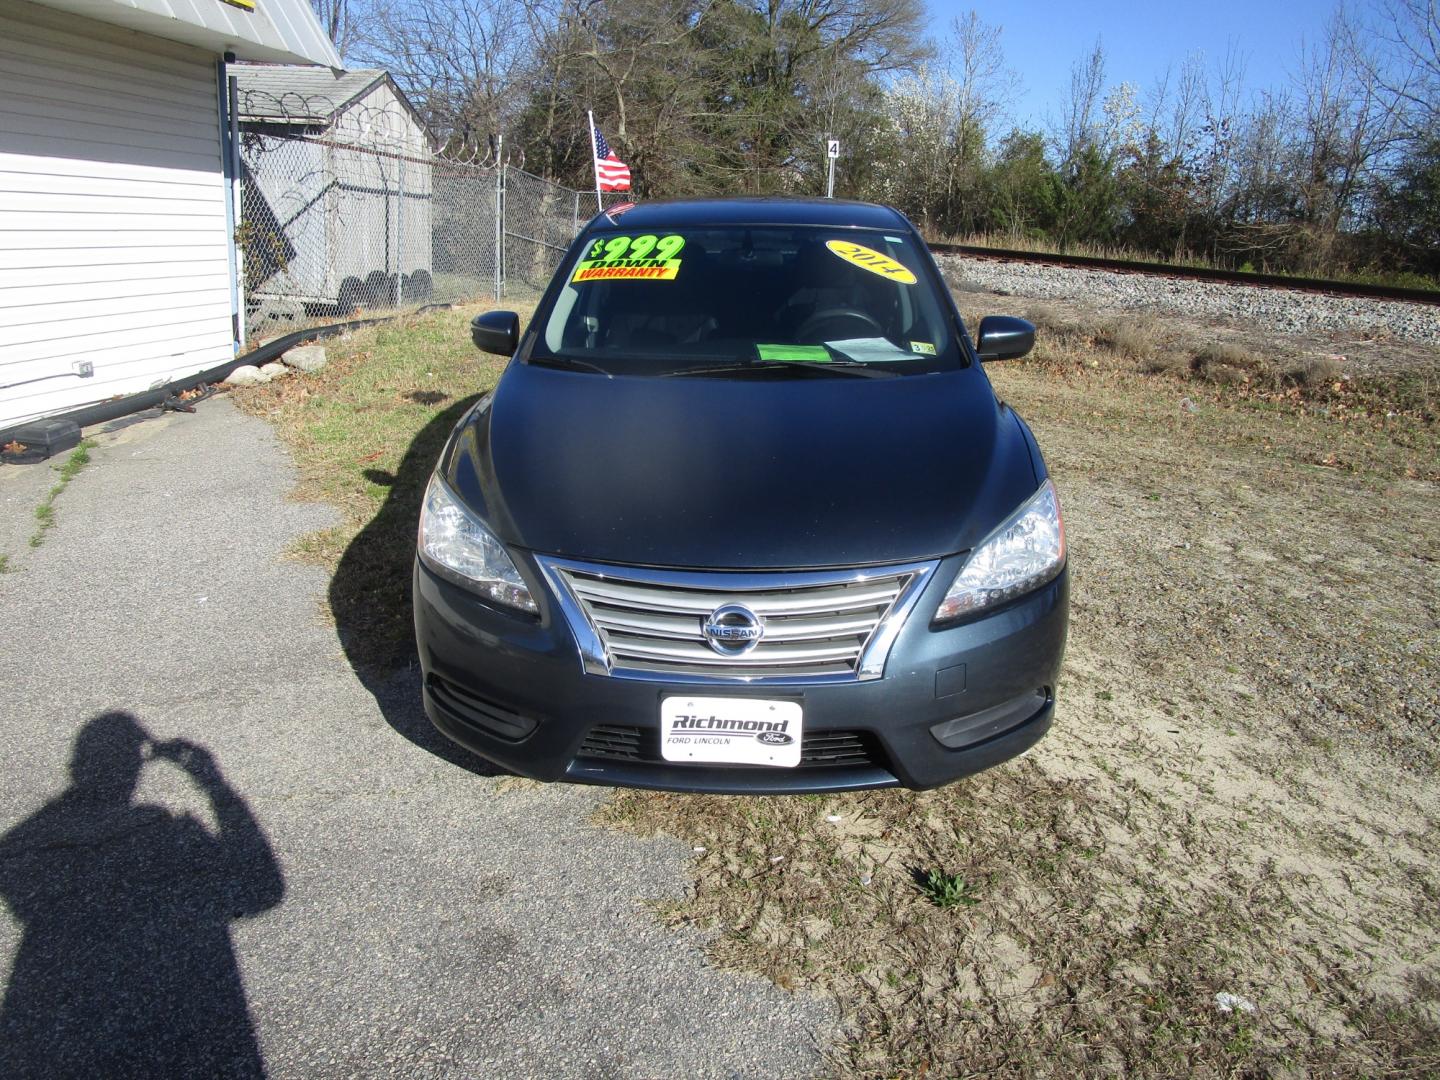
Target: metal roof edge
{"x":285,"y":31}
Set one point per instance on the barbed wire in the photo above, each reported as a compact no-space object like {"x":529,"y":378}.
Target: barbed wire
{"x":366,"y":126}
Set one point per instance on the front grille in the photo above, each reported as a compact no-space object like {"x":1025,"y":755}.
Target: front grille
{"x":817,"y":626}
{"x":615,"y":743}
{"x":839,"y":750}
{"x":818,"y":749}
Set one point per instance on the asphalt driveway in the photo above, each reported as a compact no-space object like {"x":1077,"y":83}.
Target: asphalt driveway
{"x":218,"y":858}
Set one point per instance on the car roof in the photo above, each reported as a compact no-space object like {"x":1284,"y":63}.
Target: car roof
{"x":773,"y":210}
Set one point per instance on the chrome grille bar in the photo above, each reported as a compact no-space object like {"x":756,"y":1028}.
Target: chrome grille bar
{"x":798,"y":628}
{"x":819,"y":626}
{"x":846,"y":597}
{"x":783,"y":655}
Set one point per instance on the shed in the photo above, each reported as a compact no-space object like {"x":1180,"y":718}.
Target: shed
{"x":337,"y":182}
{"x":117,"y":190}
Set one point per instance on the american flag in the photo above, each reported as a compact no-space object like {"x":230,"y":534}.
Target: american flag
{"x":611,"y":173}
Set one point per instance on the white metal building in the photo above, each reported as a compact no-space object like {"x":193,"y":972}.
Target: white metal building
{"x":117,"y":187}
{"x":337,"y":190}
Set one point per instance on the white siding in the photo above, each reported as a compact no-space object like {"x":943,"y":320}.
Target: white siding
{"x":113,"y":245}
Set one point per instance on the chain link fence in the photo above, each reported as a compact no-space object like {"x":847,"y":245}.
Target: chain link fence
{"x":355,"y":212}
{"x":539,"y":220}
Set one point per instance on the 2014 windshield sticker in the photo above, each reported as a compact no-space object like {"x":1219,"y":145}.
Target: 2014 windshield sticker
{"x":867,"y":259}
{"x":631,"y":258}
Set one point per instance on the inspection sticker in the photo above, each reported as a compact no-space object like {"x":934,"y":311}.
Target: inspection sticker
{"x":867,"y":259}
{"x":794,"y":354}
{"x":627,"y":258}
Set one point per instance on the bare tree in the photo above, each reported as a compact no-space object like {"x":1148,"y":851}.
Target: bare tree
{"x":1175,"y":117}
{"x":340,"y":22}
{"x":1211,"y":152}
{"x":1411,"y":77}
{"x":986,"y":87}
{"x":1079,"y":126}
{"x":635,"y":62}
{"x":1346,"y":126}
{"x":455,"y":59}
{"x":630,"y":48}
{"x":784,"y":71}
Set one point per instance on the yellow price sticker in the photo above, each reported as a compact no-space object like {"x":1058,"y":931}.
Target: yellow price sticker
{"x":631,"y":258}
{"x":876,"y":263}
{"x":651,"y":270}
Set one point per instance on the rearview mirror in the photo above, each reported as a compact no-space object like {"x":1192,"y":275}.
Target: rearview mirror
{"x":496,"y":332}
{"x":1004,"y":338}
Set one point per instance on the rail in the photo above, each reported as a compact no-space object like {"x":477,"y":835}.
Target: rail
{"x":1192,"y":273}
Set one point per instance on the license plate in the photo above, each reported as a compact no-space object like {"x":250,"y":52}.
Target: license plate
{"x":732,"y":731}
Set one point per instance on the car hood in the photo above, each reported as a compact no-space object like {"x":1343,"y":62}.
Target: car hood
{"x":808,"y":471}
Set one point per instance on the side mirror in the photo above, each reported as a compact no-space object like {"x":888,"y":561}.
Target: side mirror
{"x":496,"y":332}
{"x":1004,"y":338}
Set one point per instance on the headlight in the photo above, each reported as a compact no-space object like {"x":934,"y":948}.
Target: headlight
{"x":456,"y":546}
{"x":1022,"y":554}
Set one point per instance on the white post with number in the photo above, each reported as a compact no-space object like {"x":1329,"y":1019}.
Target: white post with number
{"x":832,"y":151}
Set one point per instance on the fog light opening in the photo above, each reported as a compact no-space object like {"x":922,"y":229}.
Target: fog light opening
{"x":988,"y":723}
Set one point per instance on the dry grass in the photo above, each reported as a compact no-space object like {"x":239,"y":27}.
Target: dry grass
{"x":1067,"y":336}
{"x":1238,"y":798}
{"x":1138,"y":339}
{"x":1225,"y":364}
{"x":1088,"y":249}
{"x":1399,"y":405}
{"x":1239,"y":795}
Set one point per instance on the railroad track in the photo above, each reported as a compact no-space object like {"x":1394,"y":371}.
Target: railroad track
{"x":1190,"y":273}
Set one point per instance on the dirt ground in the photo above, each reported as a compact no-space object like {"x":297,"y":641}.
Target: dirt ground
{"x":1239,"y":796}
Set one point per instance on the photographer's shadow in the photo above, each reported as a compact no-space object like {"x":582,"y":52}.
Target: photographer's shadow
{"x":125,"y":967}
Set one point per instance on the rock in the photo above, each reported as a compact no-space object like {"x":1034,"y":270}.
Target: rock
{"x":1228,"y":1002}
{"x":274,"y":369}
{"x":246,"y":375}
{"x":306,"y":358}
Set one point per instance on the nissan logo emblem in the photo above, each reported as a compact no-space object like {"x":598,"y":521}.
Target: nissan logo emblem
{"x":733,"y":629}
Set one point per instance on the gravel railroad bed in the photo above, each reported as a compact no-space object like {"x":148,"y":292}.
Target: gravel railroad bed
{"x":1281,"y":310}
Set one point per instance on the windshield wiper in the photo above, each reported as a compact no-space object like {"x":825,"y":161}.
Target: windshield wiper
{"x":834,"y":367}
{"x":573,"y":362}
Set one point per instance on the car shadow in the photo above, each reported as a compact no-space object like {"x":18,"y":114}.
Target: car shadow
{"x":125,"y":967}
{"x":370,"y":595}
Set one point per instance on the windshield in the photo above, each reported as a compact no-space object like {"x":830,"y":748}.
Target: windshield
{"x":736,"y":299}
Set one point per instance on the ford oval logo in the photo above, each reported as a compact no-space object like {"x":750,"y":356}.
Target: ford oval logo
{"x":733,"y":629}
{"x":774,"y":738}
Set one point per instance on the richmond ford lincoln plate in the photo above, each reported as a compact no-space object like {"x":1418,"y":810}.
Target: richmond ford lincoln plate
{"x":743,"y":514}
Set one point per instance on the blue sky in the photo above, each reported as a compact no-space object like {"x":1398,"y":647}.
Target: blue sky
{"x":1043,"y":38}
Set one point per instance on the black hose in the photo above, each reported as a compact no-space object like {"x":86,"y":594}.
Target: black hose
{"x":161,"y":396}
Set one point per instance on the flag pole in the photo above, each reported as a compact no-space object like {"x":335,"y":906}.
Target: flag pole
{"x":595,"y":159}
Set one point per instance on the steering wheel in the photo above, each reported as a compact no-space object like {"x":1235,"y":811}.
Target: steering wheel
{"x":838,"y":316}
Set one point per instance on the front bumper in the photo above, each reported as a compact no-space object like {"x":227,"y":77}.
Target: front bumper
{"x":952,"y":702}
